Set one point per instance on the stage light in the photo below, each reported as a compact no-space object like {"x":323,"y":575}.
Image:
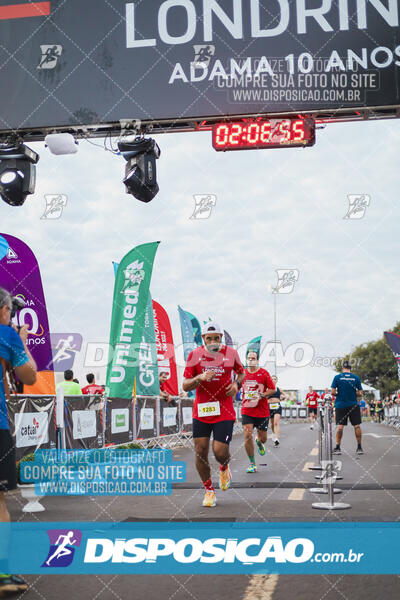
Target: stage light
{"x":140,"y":170}
{"x":17,"y":173}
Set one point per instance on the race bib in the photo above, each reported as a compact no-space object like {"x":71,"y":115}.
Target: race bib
{"x":275,"y":405}
{"x":208,"y":409}
{"x":251,"y":398}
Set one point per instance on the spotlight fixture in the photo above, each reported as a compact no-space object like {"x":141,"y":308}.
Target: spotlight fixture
{"x":140,"y":170}
{"x":17,"y":173}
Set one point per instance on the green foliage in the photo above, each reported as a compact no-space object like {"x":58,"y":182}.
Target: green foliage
{"x":375,"y":364}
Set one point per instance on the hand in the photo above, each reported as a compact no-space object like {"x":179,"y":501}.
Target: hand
{"x":232,"y":389}
{"x":23,"y":332}
{"x":207,"y":376}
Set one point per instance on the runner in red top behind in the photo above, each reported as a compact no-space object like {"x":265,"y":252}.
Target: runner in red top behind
{"x":312,"y":403}
{"x":257,"y":386}
{"x":210,"y":371}
{"x":92,"y":388}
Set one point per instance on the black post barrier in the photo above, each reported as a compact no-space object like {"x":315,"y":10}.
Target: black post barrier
{"x":330,"y":476}
{"x":147,"y":417}
{"x":119,"y":421}
{"x":32,"y":422}
{"x":321,"y":437}
{"x":186,"y":415}
{"x":169,"y":416}
{"x":84,"y":422}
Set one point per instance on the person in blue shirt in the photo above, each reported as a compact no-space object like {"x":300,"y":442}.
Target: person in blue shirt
{"x":14,"y":351}
{"x":347,"y":388}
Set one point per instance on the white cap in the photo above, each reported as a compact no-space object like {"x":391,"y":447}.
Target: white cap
{"x":211,"y":327}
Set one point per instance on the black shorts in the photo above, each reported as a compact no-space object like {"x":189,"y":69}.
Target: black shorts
{"x":275,"y":411}
{"x":312,"y":410}
{"x":8,"y":468}
{"x":348,"y":412}
{"x":222,"y":431}
{"x":260,"y":423}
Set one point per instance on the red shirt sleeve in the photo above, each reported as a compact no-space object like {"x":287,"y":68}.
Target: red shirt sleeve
{"x":237,"y":366}
{"x":190,"y":369}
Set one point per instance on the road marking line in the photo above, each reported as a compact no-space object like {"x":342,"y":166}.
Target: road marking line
{"x":296,"y":494}
{"x":307,"y":466}
{"x":261,"y":587}
{"x":314,"y":452}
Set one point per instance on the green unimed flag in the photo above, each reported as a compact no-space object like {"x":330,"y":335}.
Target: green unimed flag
{"x":254,"y":345}
{"x":131,"y":293}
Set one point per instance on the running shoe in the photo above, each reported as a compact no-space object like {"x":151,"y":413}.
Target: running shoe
{"x":252,"y":468}
{"x":11,"y":584}
{"x":337,"y":450}
{"x":210,"y":498}
{"x":312,"y":427}
{"x":261,"y":447}
{"x":359,"y":450}
{"x":276,"y":443}
{"x":225,"y":478}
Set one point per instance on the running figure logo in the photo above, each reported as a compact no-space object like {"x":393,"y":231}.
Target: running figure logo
{"x":358,"y":204}
{"x":203,"y":54}
{"x":204,"y":203}
{"x":63,"y":543}
{"x":50,"y":56}
{"x":286,"y":281}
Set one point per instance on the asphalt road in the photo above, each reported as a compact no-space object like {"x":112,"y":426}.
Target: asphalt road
{"x":279,"y":491}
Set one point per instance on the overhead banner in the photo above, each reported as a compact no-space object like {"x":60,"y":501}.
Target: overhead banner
{"x":131,"y":292}
{"x":20,"y":276}
{"x":180,"y":59}
{"x":393,"y":339}
{"x":165,"y":348}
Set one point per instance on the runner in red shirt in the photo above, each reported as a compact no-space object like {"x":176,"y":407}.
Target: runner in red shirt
{"x":257,"y":386}
{"x":92,"y":388}
{"x":312,"y":403}
{"x":210,"y":371}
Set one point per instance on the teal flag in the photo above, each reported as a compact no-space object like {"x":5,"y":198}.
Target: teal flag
{"x":147,"y":382}
{"x":196,"y":329}
{"x":254,"y":345}
{"x":188,"y":341}
{"x":131,"y":293}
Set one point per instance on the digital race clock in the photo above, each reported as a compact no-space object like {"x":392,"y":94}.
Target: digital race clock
{"x":268,"y":133}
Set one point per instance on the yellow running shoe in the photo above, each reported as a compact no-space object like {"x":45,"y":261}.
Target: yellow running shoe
{"x":210,"y":498}
{"x":225,"y":478}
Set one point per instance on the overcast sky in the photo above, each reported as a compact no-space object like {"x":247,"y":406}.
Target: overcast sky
{"x":275,"y":209}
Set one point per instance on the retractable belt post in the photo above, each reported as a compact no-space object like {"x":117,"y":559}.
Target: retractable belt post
{"x":329,"y":476}
{"x":321,"y":437}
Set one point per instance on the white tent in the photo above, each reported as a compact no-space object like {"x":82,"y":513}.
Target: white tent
{"x":298,"y":379}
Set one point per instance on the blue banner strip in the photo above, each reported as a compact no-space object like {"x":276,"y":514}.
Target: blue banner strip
{"x":207,"y":547}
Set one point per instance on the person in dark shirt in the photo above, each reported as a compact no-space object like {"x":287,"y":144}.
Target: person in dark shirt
{"x":346,"y":387}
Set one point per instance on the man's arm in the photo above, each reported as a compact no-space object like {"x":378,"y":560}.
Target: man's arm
{"x":26,"y":372}
{"x":190,"y":384}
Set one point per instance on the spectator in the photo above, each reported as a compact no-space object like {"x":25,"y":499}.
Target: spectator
{"x":69,"y":386}
{"x":163,"y":377}
{"x":14,"y":354}
{"x":92,"y":387}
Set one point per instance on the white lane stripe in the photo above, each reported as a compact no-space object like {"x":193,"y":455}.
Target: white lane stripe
{"x":307,"y":466}
{"x":296,"y":494}
{"x":261,"y":587}
{"x":314,"y":452}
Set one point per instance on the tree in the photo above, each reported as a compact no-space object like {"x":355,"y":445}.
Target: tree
{"x":375,"y":364}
